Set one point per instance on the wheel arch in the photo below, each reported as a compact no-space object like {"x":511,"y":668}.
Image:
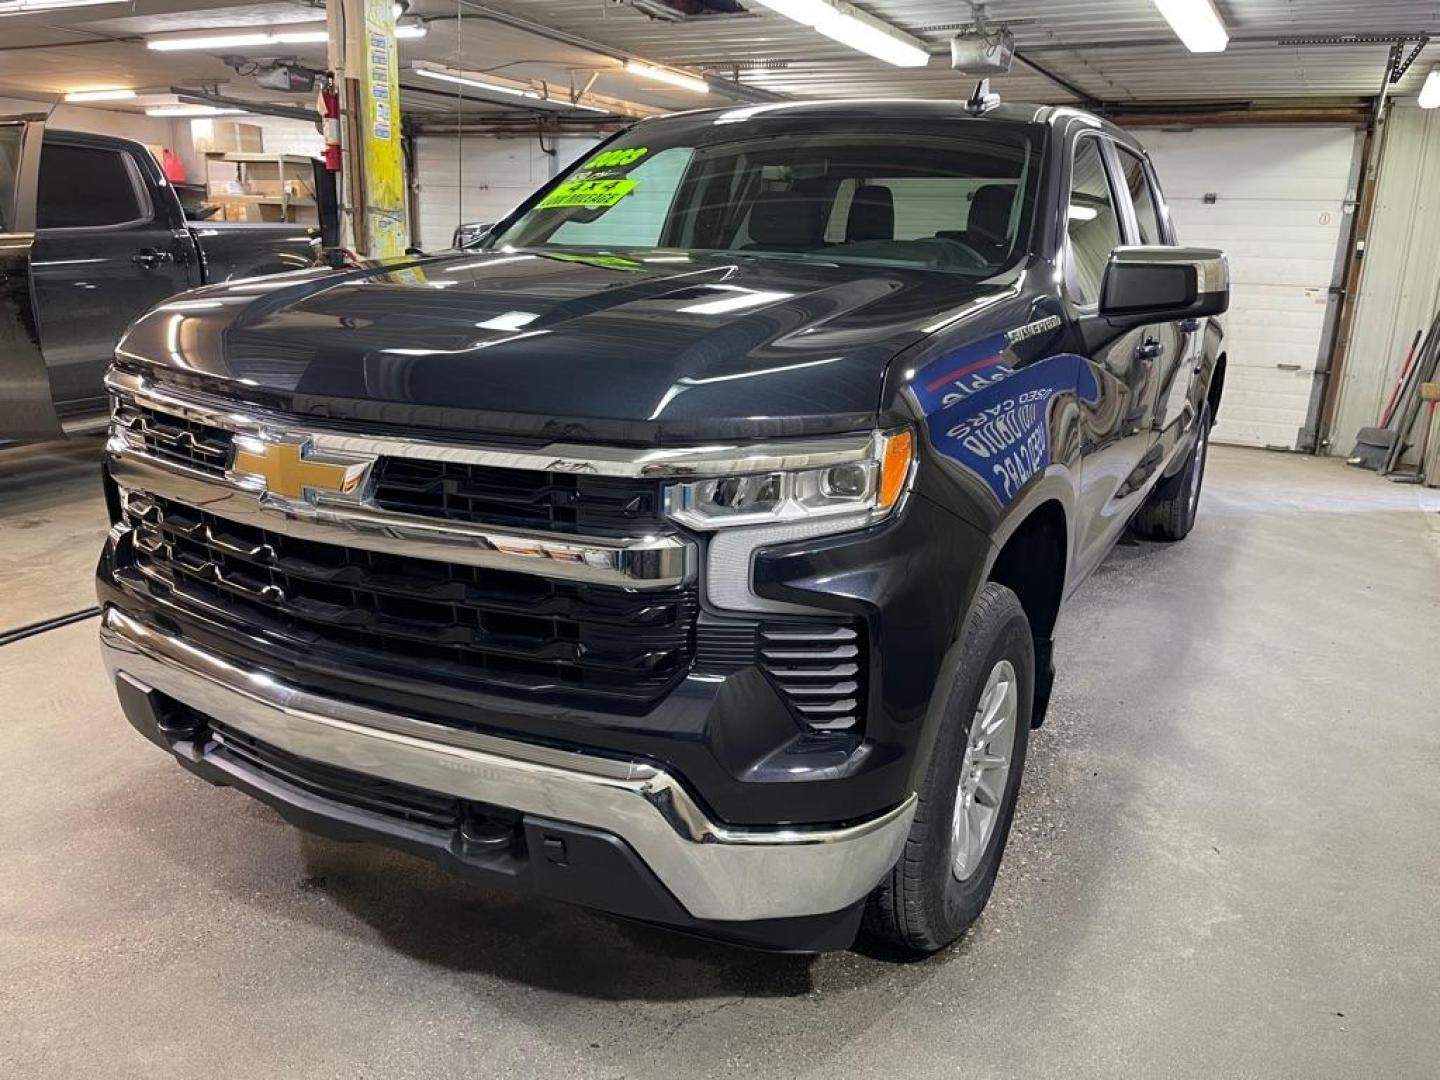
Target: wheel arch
{"x":1216,"y":389}
{"x":1032,"y":563}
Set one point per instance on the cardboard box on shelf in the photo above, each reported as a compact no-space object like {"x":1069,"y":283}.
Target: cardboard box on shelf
{"x":229,"y":136}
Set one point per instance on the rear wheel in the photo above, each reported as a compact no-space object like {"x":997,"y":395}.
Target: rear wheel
{"x":967,"y":800}
{"x":1170,"y":512}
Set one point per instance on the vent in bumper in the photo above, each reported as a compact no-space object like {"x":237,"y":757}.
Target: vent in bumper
{"x":819,"y":669}
{"x":370,"y":793}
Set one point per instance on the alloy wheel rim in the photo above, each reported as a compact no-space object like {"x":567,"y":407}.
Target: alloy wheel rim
{"x":1202,"y":448}
{"x":985,"y":769}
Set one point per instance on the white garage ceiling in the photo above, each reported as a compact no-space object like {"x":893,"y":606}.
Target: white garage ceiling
{"x":1114,"y":50}
{"x":1120,"y":52}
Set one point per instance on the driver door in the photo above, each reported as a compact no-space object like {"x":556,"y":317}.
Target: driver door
{"x":26,"y":409}
{"x":1117,"y":433}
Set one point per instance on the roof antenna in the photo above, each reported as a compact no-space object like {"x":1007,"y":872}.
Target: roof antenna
{"x":982,"y":100}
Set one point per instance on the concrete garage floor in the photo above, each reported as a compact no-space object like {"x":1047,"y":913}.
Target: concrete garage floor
{"x":1226,"y":861}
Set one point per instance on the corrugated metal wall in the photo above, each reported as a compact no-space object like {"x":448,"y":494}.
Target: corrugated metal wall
{"x":1400,"y":278}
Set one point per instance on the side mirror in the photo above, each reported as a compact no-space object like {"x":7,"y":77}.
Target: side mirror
{"x":470,"y":234}
{"x":1157,"y":284}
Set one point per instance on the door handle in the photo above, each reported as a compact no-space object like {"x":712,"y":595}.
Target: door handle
{"x":149,"y":258}
{"x":1149,"y":349}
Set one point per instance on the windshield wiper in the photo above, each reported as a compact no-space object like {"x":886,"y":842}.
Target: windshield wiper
{"x":791,"y":256}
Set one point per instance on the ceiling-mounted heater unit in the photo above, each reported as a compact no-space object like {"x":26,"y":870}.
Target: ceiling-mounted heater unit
{"x":987,"y":52}
{"x":688,"y":10}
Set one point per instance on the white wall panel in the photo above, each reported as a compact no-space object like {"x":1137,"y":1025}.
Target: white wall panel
{"x":480,"y":178}
{"x":1279,"y":211}
{"x":1400,"y":278}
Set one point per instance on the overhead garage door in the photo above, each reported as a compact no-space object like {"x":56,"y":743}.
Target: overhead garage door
{"x":1275,"y":199}
{"x":480,"y":178}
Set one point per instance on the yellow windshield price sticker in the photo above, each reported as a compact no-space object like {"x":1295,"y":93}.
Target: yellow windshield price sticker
{"x":587,"y":193}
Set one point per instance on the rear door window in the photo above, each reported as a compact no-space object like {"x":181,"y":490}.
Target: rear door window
{"x":85,"y":187}
{"x":1142,"y":195}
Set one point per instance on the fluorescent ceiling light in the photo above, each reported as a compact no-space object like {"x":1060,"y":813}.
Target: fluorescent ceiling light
{"x":249,"y":38}
{"x":1083,"y":213}
{"x":100,"y":95}
{"x":856,"y":29}
{"x":489,"y":85}
{"x":667,"y":75}
{"x":25,"y":7}
{"x":1430,"y":92}
{"x":183,"y":111}
{"x":240,"y":39}
{"x":512,"y":88}
{"x":1195,"y":23}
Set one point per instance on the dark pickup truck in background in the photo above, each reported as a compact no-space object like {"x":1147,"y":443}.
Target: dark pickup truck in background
{"x":691,"y":549}
{"x":91,"y":237}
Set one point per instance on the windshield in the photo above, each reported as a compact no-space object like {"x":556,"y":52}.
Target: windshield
{"x":957,"y":203}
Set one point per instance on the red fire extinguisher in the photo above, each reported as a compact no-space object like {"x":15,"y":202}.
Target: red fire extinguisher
{"x":329,"y":109}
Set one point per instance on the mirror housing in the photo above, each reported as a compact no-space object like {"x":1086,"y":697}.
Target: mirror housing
{"x":1159,"y":284}
{"x":470,"y":234}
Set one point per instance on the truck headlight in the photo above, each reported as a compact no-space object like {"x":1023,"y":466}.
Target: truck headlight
{"x":871,"y":486}
{"x":750,"y":511}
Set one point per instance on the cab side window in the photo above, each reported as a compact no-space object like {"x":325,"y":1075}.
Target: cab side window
{"x":1092,"y":228}
{"x":84,"y":186}
{"x":1142,"y":195}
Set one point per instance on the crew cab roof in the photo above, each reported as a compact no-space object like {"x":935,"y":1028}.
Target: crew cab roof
{"x":929,"y":110}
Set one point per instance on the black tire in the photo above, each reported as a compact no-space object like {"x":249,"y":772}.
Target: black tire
{"x":1169,"y":514}
{"x":921,"y":905}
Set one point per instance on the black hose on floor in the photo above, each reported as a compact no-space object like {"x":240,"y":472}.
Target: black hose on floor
{"x":20,"y":633}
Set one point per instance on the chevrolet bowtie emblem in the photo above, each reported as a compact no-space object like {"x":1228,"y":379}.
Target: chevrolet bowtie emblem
{"x":293,"y":469}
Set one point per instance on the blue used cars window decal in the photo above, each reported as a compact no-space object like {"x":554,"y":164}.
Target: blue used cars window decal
{"x":991,"y":415}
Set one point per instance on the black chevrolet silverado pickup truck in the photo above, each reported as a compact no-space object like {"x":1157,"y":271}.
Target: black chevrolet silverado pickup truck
{"x":691,"y":550}
{"x":91,"y":237}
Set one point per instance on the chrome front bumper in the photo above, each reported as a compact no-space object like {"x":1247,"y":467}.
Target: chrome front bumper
{"x":714,"y":871}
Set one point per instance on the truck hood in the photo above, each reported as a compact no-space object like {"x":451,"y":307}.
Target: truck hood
{"x":656,"y":347}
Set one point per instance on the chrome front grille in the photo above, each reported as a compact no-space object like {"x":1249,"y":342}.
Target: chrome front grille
{"x":520,"y":498}
{"x":477,"y":506}
{"x":497,"y":630}
{"x":175,"y":439}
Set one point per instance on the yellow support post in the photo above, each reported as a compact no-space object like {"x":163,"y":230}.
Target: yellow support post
{"x":363,"y":56}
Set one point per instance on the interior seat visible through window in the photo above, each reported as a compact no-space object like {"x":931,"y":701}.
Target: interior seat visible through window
{"x":786,"y":221}
{"x":872,"y":215}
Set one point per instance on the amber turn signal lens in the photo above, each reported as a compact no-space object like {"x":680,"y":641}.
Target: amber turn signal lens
{"x":895,"y":462}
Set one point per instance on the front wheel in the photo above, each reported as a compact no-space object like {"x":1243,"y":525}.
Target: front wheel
{"x":967,"y":800}
{"x":1169,"y":514}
